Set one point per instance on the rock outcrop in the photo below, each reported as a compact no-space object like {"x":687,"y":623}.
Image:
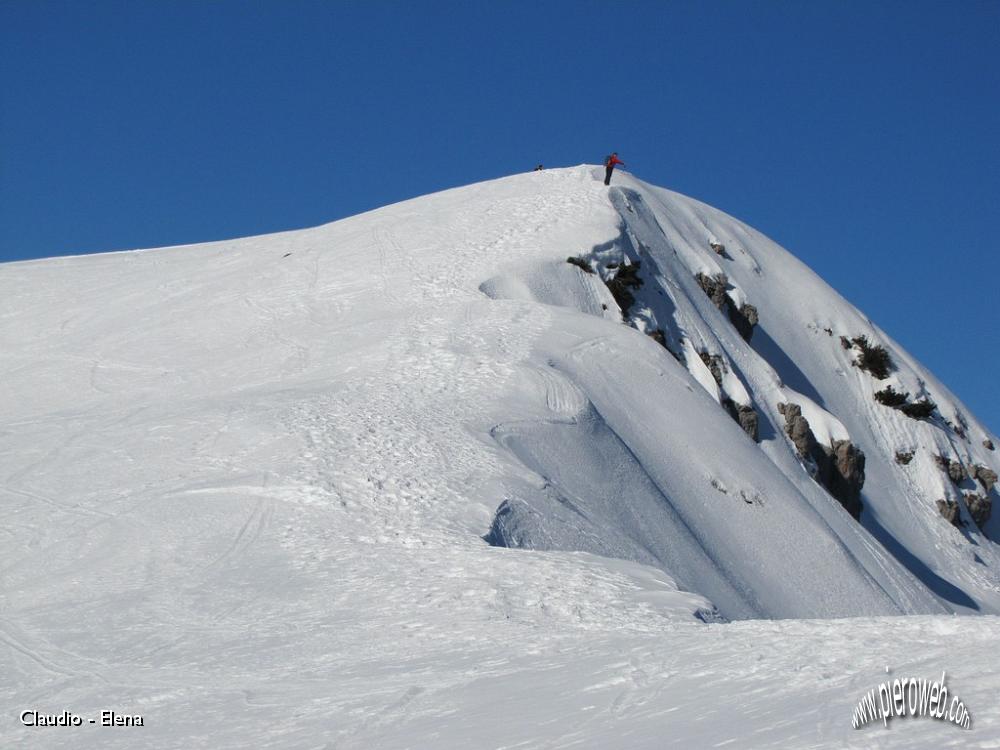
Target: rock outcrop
{"x":744,"y":318}
{"x":954,"y":469}
{"x":746,"y":416}
{"x":621,"y":285}
{"x":797,"y":428}
{"x":986,"y":477}
{"x":839,"y":467}
{"x":979,"y":507}
{"x":949,"y":511}
{"x":714,"y":364}
{"x":846,"y":475}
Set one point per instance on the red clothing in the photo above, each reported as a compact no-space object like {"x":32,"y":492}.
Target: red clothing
{"x":614,"y":160}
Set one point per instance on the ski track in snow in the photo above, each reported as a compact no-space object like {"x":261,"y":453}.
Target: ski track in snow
{"x":245,"y":487}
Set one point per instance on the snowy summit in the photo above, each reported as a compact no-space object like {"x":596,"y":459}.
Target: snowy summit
{"x":531,"y":463}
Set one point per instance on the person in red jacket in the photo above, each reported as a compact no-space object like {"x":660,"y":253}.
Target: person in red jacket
{"x":609,"y":166}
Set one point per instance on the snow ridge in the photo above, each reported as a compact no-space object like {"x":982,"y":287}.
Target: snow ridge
{"x":413,"y":464}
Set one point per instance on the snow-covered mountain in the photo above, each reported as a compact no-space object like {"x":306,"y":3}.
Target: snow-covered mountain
{"x":412,"y":479}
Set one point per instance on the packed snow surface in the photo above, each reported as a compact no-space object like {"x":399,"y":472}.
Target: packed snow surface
{"x":411,"y":480}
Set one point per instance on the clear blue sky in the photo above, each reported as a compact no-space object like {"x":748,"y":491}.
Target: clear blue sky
{"x":863,"y":136}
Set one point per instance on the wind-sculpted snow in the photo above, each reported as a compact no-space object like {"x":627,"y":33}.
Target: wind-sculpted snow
{"x":721,"y":523}
{"x":248,"y":489}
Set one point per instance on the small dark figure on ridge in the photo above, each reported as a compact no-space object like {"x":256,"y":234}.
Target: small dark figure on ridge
{"x":609,"y":166}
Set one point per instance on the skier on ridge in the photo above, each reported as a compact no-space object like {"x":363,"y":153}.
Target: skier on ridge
{"x":609,"y":166}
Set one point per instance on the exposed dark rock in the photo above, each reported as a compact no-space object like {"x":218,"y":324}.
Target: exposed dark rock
{"x":987,"y":477}
{"x":629,"y":275}
{"x":988,"y":444}
{"x":580,"y":263}
{"x":719,"y":248}
{"x":746,"y":416}
{"x":714,"y":363}
{"x":840,"y":467}
{"x":922,"y":409}
{"x":848,"y":477}
{"x":845,"y":342}
{"x":659,"y":337}
{"x":888,"y":396}
{"x":949,"y":510}
{"x":715,"y":288}
{"x":979,"y":507}
{"x":904,"y":458}
{"x":873,"y":358}
{"x":744,"y":318}
{"x":797,"y":428}
{"x":749,"y":421}
{"x":955,"y":471}
{"x":621,"y":285}
{"x":623,"y":297}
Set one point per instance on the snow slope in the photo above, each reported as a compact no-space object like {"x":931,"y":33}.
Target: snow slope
{"x":264,"y":492}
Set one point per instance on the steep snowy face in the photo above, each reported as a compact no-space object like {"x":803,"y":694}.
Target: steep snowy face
{"x":923,"y":453}
{"x":905,"y":481}
{"x":434,"y":381}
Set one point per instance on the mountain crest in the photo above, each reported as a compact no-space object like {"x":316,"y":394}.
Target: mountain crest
{"x":683,"y":393}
